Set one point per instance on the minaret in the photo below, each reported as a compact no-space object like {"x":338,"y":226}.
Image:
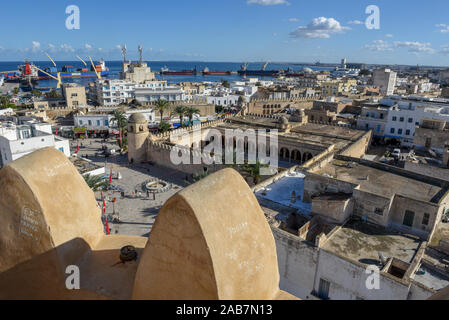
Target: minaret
{"x":137,"y":136}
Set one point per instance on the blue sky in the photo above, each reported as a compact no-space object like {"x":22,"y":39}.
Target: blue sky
{"x":411,"y":32}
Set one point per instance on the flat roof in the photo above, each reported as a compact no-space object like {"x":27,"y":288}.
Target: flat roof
{"x":312,"y":134}
{"x":362,"y":242}
{"x":380,"y":182}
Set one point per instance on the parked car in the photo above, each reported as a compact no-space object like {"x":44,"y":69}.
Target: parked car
{"x":396,"y":153}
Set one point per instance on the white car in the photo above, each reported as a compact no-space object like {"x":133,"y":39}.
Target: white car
{"x":396,"y":153}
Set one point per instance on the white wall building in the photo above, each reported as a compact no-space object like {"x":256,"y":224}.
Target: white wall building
{"x":151,"y":92}
{"x":17,"y":141}
{"x":113,"y":92}
{"x":401,"y":115}
{"x":103,"y":122}
{"x":385,"y":79}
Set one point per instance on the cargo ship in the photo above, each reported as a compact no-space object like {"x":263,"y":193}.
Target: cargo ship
{"x":207,"y":72}
{"x":71,"y":72}
{"x":167,"y":72}
{"x":262,"y":73}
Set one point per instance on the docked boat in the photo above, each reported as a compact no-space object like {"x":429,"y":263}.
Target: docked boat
{"x":166,"y":71}
{"x":262,"y":73}
{"x":207,"y":72}
{"x":71,"y":72}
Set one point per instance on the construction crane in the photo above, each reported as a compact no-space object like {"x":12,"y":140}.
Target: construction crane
{"x":95,"y":69}
{"x":50,"y":58}
{"x":58,"y":78}
{"x":85,"y":64}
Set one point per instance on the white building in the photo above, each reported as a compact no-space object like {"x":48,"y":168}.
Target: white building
{"x":150,"y":92}
{"x":400,"y":116}
{"x":17,"y":141}
{"x":104,"y":121}
{"x":385,"y":79}
{"x":113,"y":92}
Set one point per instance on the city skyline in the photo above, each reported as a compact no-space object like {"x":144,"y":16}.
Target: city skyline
{"x":235,"y":31}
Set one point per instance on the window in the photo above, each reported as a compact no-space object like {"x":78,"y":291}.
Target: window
{"x":410,"y":120}
{"x":400,"y":131}
{"x":392,"y":130}
{"x":425,"y":219}
{"x":89,"y":122}
{"x":98,"y":123}
{"x":395,"y":118}
{"x":379,"y":211}
{"x":323,"y":292}
{"x":379,"y":128}
{"x":81,"y":122}
{"x":106,"y":123}
{"x":408,"y":218}
{"x":381,"y":115}
{"x":401,"y":119}
{"x":407,"y":132}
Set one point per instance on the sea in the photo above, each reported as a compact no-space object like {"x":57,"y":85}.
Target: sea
{"x":115,"y":68}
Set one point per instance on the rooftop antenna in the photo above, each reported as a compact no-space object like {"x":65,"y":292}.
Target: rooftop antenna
{"x":124,"y":52}
{"x":140,"y":48}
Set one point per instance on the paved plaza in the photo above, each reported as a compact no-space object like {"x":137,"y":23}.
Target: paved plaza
{"x":136,"y":213}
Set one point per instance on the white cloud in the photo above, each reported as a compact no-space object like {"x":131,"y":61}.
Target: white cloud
{"x":293,"y":20}
{"x":35,"y":46}
{"x":67,"y":48}
{"x":319,"y":28}
{"x":88,"y":46}
{"x":389,"y":35}
{"x":414,"y":46}
{"x":355,"y":22}
{"x":445,"y":49}
{"x":268,"y":2}
{"x":379,"y":45}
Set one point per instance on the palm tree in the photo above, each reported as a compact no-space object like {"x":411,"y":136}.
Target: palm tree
{"x":254,"y":170}
{"x":161,"y":107}
{"x":190,"y":112}
{"x":121,"y":120}
{"x":180,"y":110}
{"x":164,"y":126}
{"x":96,"y":183}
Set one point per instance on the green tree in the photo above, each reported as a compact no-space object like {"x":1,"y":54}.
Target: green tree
{"x":36,"y":93}
{"x":121,"y":120}
{"x":164,"y":126}
{"x":190,"y":112}
{"x":225,"y":84}
{"x":180,"y":110}
{"x":254,"y":170}
{"x":219,"y":109}
{"x":15,"y":91}
{"x":161,"y":106}
{"x":53,"y":94}
{"x":96,"y":183}
{"x":241,"y":101}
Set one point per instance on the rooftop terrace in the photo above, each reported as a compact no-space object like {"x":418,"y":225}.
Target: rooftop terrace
{"x":362,"y":242}
{"x":380,"y":182}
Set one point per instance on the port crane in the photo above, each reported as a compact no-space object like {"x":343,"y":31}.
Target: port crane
{"x":85,"y":64}
{"x":50,"y":58}
{"x":58,"y":78}
{"x":264,"y":67}
{"x":95,"y":69}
